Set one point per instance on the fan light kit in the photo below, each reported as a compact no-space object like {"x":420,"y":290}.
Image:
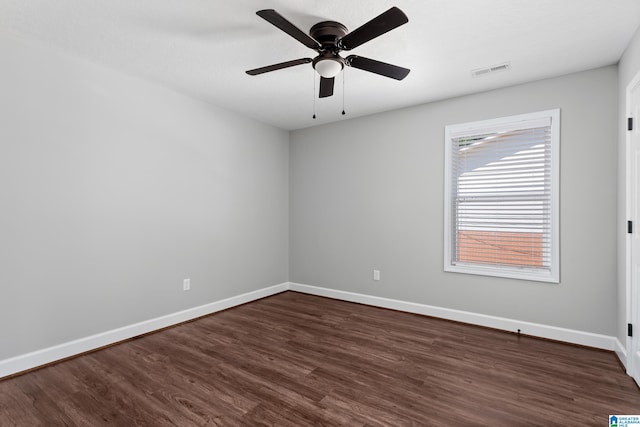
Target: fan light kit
{"x":329,"y":38}
{"x":328,"y":67}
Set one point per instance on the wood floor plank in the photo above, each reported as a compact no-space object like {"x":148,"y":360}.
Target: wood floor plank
{"x":16,"y":408}
{"x":298,"y":360}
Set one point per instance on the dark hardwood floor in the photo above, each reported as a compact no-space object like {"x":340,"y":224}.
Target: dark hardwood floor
{"x":297,"y":360}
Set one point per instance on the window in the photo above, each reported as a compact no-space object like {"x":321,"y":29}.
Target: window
{"x":501,"y":197}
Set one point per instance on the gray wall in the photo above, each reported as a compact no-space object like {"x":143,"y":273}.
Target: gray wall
{"x":368,"y":193}
{"x":628,"y":67}
{"x":114,"y":190}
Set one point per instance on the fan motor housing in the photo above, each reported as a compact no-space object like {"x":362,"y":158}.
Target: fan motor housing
{"x":327,"y":33}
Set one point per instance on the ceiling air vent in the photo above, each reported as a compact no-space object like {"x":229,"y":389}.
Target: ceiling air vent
{"x":490,"y":70}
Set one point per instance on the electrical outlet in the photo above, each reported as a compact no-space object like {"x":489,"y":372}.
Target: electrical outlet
{"x":186,"y":284}
{"x":376,"y":275}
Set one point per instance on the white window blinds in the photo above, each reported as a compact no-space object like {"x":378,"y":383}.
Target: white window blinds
{"x":502,"y":196}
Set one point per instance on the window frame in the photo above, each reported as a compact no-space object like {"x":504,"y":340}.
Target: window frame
{"x":492,"y":125}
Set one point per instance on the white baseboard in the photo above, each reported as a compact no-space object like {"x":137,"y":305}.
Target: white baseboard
{"x":589,"y":339}
{"x":37,"y":358}
{"x":621,"y":352}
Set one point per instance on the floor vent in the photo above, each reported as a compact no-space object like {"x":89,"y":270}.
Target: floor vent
{"x":489,"y":70}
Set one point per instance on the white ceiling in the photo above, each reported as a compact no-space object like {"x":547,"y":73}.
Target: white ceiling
{"x":203,"y":47}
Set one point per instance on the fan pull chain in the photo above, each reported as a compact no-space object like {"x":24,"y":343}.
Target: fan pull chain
{"x":314,"y":93}
{"x":343,"y":73}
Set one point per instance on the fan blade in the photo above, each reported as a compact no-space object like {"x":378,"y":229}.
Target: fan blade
{"x":379,"y":25}
{"x":326,"y":87}
{"x":377,"y":67}
{"x":282,"y":23}
{"x":279,"y":66}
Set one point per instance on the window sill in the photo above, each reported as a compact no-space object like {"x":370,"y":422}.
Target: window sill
{"x":511,"y":273}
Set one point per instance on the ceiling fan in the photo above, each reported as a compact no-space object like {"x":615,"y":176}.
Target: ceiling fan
{"x":329,"y":38}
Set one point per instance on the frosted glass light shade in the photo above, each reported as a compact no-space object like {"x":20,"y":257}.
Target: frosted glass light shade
{"x":328,"y":68}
